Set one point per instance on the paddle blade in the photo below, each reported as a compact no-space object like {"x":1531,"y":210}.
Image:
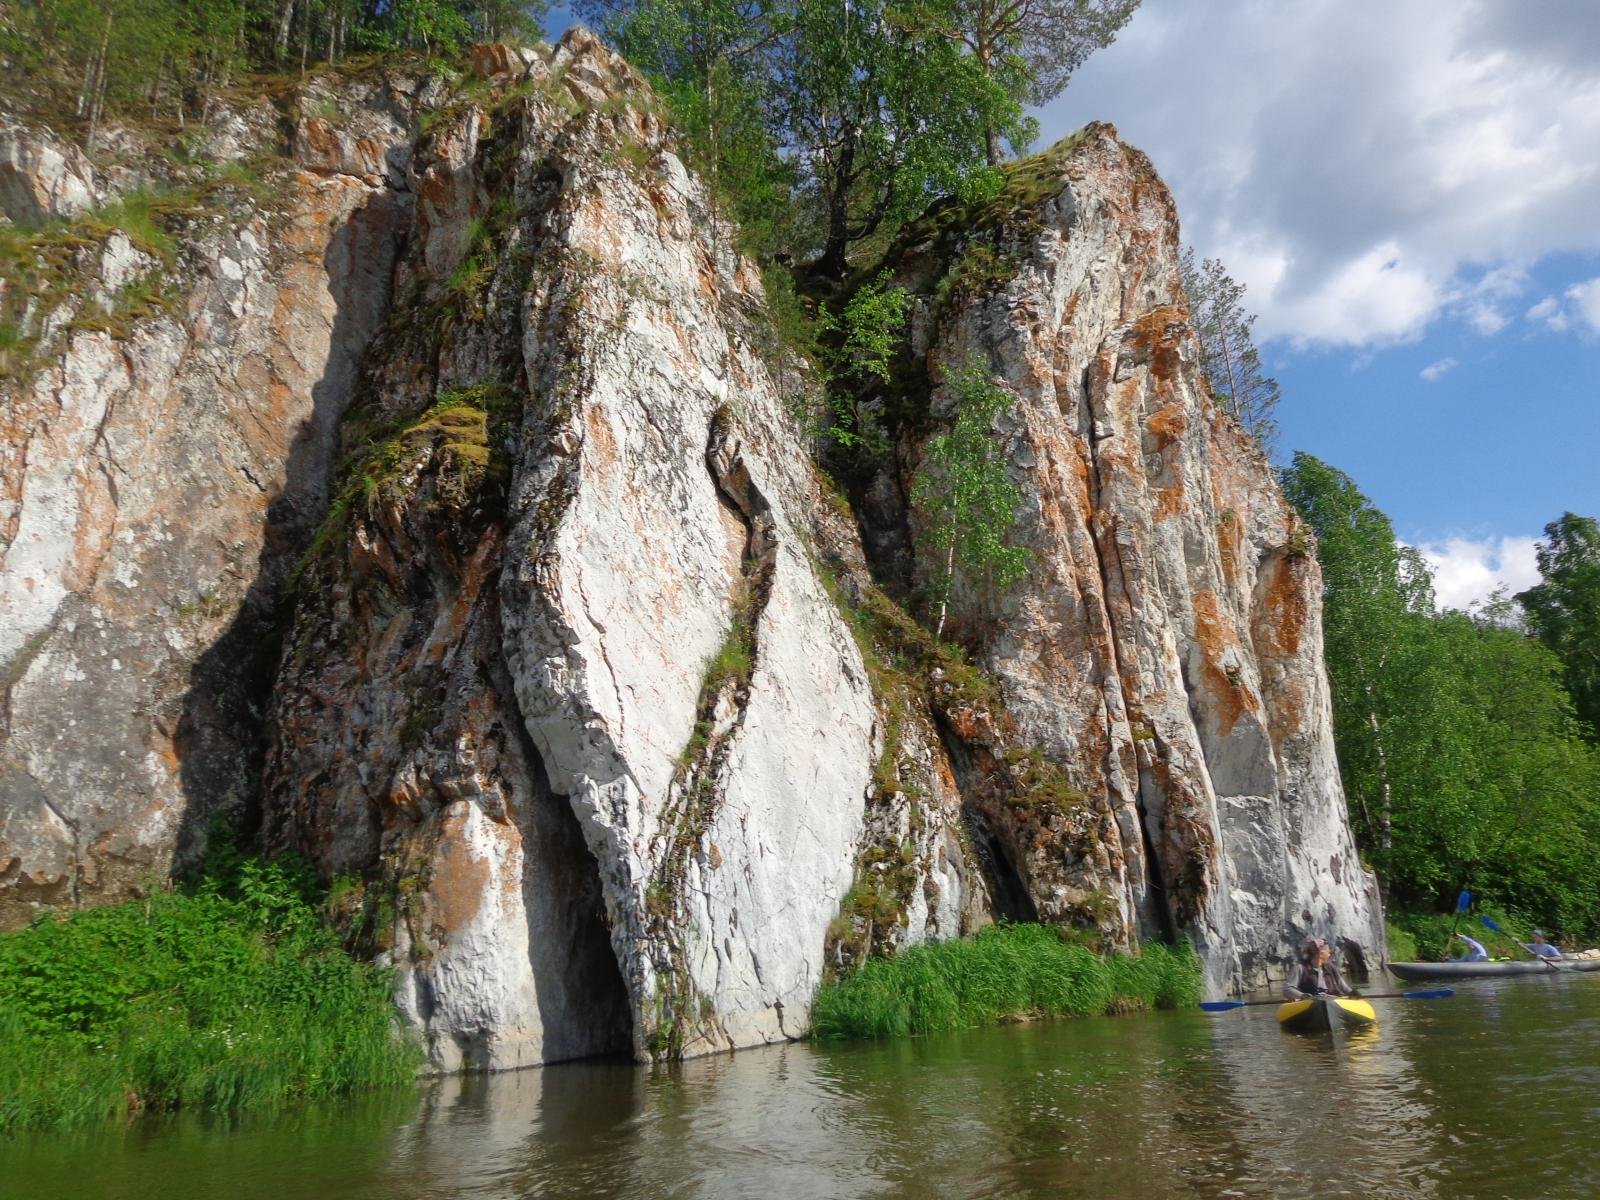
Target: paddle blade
{"x":1222,"y":1005}
{"x":1463,"y":901}
{"x":1491,"y":923}
{"x":1430,"y":994}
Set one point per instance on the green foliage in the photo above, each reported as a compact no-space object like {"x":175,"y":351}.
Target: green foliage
{"x":963,"y":493}
{"x":860,"y":342}
{"x":886,"y":113}
{"x":1402,"y":943}
{"x":1005,"y":973}
{"x":1229,"y":357}
{"x":229,"y":993}
{"x":1420,"y":935}
{"x":1564,"y":609}
{"x":1457,"y":744}
{"x":171,"y":59}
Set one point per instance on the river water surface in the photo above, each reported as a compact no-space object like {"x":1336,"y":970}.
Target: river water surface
{"x":1494,"y":1093}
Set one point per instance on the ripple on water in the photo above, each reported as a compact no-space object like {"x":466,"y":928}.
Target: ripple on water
{"x":1492,"y":1094}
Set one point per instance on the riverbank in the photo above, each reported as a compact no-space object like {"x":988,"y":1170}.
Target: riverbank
{"x":1006,"y":973}
{"x":231,"y":994}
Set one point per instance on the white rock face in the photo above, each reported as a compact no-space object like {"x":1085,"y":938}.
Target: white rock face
{"x":42,"y":177}
{"x":655,"y":522}
{"x":1165,"y":647}
{"x":154,"y":479}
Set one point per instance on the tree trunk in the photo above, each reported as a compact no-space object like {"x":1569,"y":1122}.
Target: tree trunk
{"x":991,"y":146}
{"x":834,"y":263}
{"x":280,"y":45}
{"x":949,"y":583}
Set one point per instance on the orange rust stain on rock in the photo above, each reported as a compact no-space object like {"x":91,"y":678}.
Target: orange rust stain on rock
{"x":1285,"y":609}
{"x":1158,"y":334}
{"x":1169,"y":502}
{"x":599,"y":438}
{"x":460,"y":878}
{"x":1167,"y":424}
{"x":1215,"y":635}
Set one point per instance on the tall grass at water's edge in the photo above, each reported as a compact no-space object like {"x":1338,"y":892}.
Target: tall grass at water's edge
{"x":1005,"y":973}
{"x":219,"y":998}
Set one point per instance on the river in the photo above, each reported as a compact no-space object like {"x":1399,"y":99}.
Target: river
{"x":1494,"y":1093}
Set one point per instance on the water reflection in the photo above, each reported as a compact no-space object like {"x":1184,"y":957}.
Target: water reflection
{"x":1492,"y":1094}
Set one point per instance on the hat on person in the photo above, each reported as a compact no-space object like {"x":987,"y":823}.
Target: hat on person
{"x":1312,"y":945}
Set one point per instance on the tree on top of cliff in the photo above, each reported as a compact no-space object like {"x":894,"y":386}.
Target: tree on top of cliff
{"x":872,"y":109}
{"x":1230,"y":359}
{"x":1564,"y":609}
{"x":86,"y":59}
{"x":1030,"y":47}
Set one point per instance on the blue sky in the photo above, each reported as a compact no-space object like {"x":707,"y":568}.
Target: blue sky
{"x":1410,"y":189}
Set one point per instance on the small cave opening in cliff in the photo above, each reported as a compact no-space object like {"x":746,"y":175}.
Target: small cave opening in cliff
{"x":1008,"y":895}
{"x":583,"y":1002}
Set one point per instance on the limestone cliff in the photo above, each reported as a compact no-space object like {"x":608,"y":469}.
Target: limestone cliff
{"x":452,"y":515}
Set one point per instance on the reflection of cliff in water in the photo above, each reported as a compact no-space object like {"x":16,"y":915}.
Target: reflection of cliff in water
{"x":1485,"y":1096}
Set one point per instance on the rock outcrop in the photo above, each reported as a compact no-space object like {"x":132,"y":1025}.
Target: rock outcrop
{"x":457,"y":519}
{"x":169,"y":426}
{"x":1165,"y":646}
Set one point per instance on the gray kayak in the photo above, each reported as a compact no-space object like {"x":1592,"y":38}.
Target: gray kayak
{"x":1474,"y":970}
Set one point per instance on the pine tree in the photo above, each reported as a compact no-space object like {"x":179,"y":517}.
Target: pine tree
{"x":1229,"y":357}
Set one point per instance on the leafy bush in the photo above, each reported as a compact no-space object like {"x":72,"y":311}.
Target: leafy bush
{"x":1005,"y":973}
{"x":229,"y":994}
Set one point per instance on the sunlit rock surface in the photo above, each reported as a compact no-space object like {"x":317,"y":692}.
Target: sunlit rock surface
{"x":456,"y":525}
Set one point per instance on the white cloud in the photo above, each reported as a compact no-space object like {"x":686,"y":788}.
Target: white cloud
{"x":1585,"y":299}
{"x":1434,"y":372}
{"x":1582,"y":308}
{"x":1364,"y":170}
{"x":1467,"y":570}
{"x":1548,"y":310}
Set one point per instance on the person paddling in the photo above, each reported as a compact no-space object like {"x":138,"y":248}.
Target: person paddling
{"x":1541,"y":946}
{"x":1315,"y":974}
{"x":1475,"y":951}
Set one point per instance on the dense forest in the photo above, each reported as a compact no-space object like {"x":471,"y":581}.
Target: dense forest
{"x":1466,"y":763}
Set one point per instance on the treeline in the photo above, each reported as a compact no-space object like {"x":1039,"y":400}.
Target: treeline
{"x":94,"y":58}
{"x":1464,"y":759}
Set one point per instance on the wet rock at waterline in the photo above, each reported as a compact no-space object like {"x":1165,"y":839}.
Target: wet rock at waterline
{"x":453,"y":523}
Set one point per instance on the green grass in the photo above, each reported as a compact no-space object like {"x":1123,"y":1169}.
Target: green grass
{"x":231,"y":994}
{"x":1005,"y":973}
{"x":1417,"y":936}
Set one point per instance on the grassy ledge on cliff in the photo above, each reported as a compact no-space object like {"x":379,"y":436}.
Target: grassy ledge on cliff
{"x":1006,"y":973}
{"x":231,"y":994}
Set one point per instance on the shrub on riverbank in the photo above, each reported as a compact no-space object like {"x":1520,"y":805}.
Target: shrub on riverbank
{"x":1005,"y":973}
{"x":231,"y":994}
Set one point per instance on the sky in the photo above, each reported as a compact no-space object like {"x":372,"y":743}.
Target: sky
{"x":1410,"y":190}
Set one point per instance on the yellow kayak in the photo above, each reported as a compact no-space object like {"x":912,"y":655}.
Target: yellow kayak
{"x":1317,"y":1014}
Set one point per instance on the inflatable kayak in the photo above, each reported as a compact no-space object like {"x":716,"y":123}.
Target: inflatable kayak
{"x":1318,"y":1014}
{"x":1474,"y":970}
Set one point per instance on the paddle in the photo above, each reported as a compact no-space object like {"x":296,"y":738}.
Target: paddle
{"x":1491,"y":923}
{"x":1215,"y":1006}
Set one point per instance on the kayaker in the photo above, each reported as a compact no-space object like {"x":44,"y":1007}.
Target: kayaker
{"x":1475,"y":951}
{"x":1315,"y":974}
{"x":1541,"y":946}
